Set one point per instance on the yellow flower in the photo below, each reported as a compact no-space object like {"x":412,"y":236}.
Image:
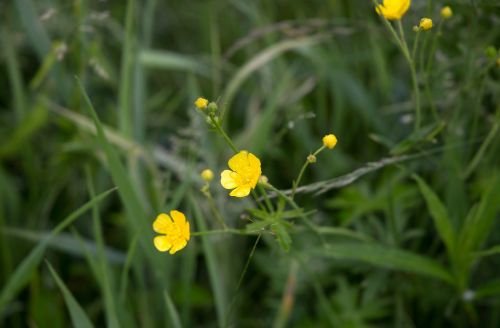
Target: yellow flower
{"x":175,"y":230}
{"x":446,"y":12}
{"x":244,"y":174}
{"x":201,"y":103}
{"x":425,"y":24}
{"x":393,"y":9}
{"x":329,"y":141}
{"x":207,"y":175}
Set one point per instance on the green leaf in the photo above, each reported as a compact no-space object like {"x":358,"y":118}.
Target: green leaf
{"x":23,"y":272}
{"x":25,"y":130}
{"x":424,"y":135}
{"x":386,"y":257}
{"x":282,"y":235}
{"x":439,"y":215}
{"x":78,"y":317}
{"x":477,"y":229}
{"x":490,"y":288}
{"x":173,"y":315}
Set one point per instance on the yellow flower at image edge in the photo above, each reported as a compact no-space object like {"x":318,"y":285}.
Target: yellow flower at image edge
{"x":393,"y":9}
{"x":174,"y":230}
{"x":244,"y":174}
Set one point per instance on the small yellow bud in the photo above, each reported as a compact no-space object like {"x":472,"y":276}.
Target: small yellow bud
{"x":311,"y":158}
{"x":446,"y":12}
{"x":263,"y":179}
{"x":416,"y":28}
{"x":207,"y":175}
{"x":201,"y":103}
{"x":329,"y":141}
{"x":425,"y":24}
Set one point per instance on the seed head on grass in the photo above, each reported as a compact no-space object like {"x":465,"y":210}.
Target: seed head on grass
{"x":174,"y":230}
{"x":244,"y":174}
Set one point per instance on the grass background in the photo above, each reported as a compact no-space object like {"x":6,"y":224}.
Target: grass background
{"x":410,"y":241}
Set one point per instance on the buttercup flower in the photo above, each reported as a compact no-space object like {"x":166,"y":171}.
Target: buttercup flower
{"x":175,"y":230}
{"x":446,"y":12}
{"x":425,"y":24}
{"x":244,"y":174}
{"x":201,"y":103}
{"x":207,"y":175}
{"x":393,"y":9}
{"x":329,"y":141}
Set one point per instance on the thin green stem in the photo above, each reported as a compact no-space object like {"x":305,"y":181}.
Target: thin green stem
{"x":215,"y":210}
{"x":223,"y":231}
{"x":302,"y":170}
{"x":415,"y":46}
{"x":223,"y":133}
{"x":294,"y":205}
{"x":411,"y":63}
{"x":266,"y":198}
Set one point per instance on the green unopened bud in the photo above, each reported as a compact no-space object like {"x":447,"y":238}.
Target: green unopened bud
{"x":212,"y":107}
{"x":311,"y":158}
{"x":491,"y":52}
{"x":263,"y":179}
{"x":416,"y":28}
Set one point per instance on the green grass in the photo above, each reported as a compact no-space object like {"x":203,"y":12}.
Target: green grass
{"x":397,"y":226}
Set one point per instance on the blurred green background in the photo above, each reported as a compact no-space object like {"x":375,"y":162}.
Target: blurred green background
{"x":411,"y":240}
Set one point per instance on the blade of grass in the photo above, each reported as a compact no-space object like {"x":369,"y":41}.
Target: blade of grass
{"x":124,"y":97}
{"x":78,"y":316}
{"x":173,"y":315}
{"x":440,"y":216}
{"x":210,"y":257}
{"x":23,"y":272}
{"x":386,"y":257}
{"x":104,"y":271}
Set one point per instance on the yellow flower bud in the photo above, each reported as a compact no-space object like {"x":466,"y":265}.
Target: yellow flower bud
{"x":425,"y":24}
{"x":263,"y":179}
{"x":329,"y":141}
{"x":201,"y":103}
{"x":446,"y":12}
{"x":207,"y":175}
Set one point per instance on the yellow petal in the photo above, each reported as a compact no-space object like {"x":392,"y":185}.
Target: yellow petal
{"x":253,"y":160}
{"x":178,"y":217}
{"x":226,"y":179}
{"x":240,"y":191}
{"x":178,"y":245}
{"x":162,"y":243}
{"x":238,"y":161}
{"x":185,"y":232}
{"x":162,"y":224}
